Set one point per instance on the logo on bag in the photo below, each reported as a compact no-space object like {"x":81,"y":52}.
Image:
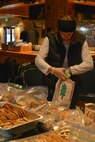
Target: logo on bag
{"x":63,"y":91}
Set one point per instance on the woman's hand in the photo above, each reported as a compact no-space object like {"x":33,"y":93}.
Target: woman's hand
{"x":58,"y":72}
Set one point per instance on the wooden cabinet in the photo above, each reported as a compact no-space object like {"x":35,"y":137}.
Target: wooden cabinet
{"x":84,"y":9}
{"x":51,"y":14}
{"x":18,"y":9}
{"x":85,"y":2}
{"x":54,"y":9}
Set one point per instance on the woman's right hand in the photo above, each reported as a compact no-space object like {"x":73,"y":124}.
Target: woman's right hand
{"x":58,"y":72}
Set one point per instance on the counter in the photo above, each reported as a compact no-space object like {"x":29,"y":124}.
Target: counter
{"x":21,"y":57}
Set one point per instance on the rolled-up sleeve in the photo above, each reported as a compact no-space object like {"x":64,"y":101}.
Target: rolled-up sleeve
{"x":87,"y":61}
{"x":41,"y":56}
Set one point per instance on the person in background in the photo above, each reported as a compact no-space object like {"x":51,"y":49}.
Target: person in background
{"x":64,"y":50}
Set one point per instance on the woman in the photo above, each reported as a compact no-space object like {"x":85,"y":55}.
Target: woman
{"x":66,"y":50}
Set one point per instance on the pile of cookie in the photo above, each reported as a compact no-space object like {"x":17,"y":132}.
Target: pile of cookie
{"x":12,"y":116}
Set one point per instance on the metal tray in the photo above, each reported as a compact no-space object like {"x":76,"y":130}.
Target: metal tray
{"x":15,"y":130}
{"x":52,"y":136}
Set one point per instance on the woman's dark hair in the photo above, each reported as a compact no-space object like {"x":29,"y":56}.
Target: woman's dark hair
{"x":68,"y":24}
{"x":68,"y":18}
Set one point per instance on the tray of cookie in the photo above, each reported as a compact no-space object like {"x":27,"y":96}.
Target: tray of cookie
{"x":15,"y":120}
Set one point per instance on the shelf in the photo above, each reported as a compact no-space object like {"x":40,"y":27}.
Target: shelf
{"x":18,"y":9}
{"x":89,"y":3}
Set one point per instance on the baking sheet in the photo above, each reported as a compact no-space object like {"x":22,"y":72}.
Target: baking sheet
{"x":21,"y":127}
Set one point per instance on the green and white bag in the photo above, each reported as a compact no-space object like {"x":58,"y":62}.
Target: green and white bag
{"x":63,"y":92}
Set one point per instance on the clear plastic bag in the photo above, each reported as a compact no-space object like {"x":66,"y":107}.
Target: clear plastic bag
{"x":32,"y":98}
{"x":38,"y":91}
{"x":90,"y":115}
{"x":81,"y":134}
{"x":8,"y":93}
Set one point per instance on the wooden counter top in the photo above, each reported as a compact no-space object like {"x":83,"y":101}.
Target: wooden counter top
{"x":34,"y":53}
{"x":21,"y":57}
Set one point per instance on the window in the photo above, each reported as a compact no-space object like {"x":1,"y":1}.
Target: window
{"x":9,"y":35}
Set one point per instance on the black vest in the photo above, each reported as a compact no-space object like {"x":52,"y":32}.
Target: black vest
{"x":56,"y":57}
{"x":57,"y":51}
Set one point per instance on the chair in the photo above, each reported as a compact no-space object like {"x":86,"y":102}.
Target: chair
{"x":29,"y":75}
{"x":8,"y":70}
{"x":32,"y":77}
